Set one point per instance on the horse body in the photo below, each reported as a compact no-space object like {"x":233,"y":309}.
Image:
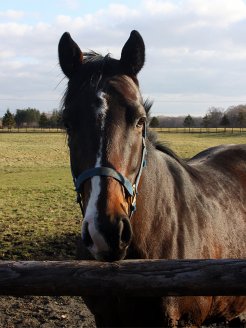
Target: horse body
{"x":200,"y":206}
{"x":199,"y":217}
{"x":185,"y":210}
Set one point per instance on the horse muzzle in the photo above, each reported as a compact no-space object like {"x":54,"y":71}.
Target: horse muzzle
{"x":109,"y":240}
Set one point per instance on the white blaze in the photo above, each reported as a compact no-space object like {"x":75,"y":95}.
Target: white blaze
{"x":91,"y":214}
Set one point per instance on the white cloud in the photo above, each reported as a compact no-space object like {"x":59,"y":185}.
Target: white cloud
{"x":193,"y":47}
{"x":157,"y":7}
{"x":14,"y":29}
{"x":5,"y":54}
{"x":12,"y":14}
{"x":63,"y":20}
{"x":72,"y":4}
{"x":120,"y":11}
{"x":216,"y":12}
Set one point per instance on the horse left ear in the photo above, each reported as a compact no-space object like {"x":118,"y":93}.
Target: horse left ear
{"x":70,"y":55}
{"x":133,"y":54}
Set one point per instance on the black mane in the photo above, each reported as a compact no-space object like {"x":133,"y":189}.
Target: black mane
{"x":93,"y":56}
{"x":153,"y":137}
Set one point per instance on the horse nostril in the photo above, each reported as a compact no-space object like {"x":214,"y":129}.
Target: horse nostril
{"x":86,"y":238}
{"x":126,"y":232}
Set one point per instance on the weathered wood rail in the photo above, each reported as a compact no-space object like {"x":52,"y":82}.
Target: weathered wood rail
{"x":135,"y":277}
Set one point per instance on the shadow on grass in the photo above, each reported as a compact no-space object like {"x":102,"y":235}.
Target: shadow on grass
{"x":65,"y":247}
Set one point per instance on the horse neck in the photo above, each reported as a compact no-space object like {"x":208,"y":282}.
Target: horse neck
{"x":160,"y":197}
{"x":163,"y":177}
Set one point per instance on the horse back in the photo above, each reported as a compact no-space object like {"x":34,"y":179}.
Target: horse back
{"x":224,"y":163}
{"x":223,"y":156}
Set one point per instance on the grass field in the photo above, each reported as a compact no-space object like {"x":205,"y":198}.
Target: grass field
{"x":187,"y":145}
{"x":38,"y":215}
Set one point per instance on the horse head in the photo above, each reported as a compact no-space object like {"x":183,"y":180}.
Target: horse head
{"x":105,"y":118}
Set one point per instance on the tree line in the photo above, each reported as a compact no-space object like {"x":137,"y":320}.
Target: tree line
{"x":234,"y":117}
{"x":31,"y":117}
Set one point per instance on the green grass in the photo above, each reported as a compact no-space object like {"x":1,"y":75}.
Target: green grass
{"x":33,"y":150}
{"x":187,"y":145}
{"x":39,"y":218}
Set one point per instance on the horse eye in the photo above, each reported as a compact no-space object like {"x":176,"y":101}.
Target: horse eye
{"x":141,"y":122}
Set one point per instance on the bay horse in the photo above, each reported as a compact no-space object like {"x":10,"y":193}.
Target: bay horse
{"x":140,"y":200}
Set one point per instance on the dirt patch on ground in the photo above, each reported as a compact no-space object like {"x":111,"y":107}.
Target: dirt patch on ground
{"x":54,"y":312}
{"x":45,"y":312}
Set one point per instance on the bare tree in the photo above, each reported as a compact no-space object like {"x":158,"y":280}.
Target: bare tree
{"x":188,"y":122}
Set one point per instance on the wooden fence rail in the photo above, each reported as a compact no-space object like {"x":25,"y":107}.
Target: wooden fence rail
{"x":135,"y":277}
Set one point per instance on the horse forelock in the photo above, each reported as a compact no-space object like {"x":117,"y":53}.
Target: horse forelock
{"x":89,"y":72}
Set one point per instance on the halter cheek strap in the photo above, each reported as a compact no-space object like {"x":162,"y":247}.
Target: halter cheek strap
{"x":131,"y":189}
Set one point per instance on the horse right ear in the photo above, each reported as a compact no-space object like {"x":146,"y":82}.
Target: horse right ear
{"x":133,"y":54}
{"x":70,"y":55}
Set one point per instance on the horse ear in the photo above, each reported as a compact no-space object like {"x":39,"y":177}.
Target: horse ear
{"x":70,"y":55}
{"x":133,"y":54}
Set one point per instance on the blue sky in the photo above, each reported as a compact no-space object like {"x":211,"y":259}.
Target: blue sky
{"x":46,"y":10}
{"x":195,"y":49}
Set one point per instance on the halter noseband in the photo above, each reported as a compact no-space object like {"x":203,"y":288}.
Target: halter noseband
{"x":131,"y":189}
